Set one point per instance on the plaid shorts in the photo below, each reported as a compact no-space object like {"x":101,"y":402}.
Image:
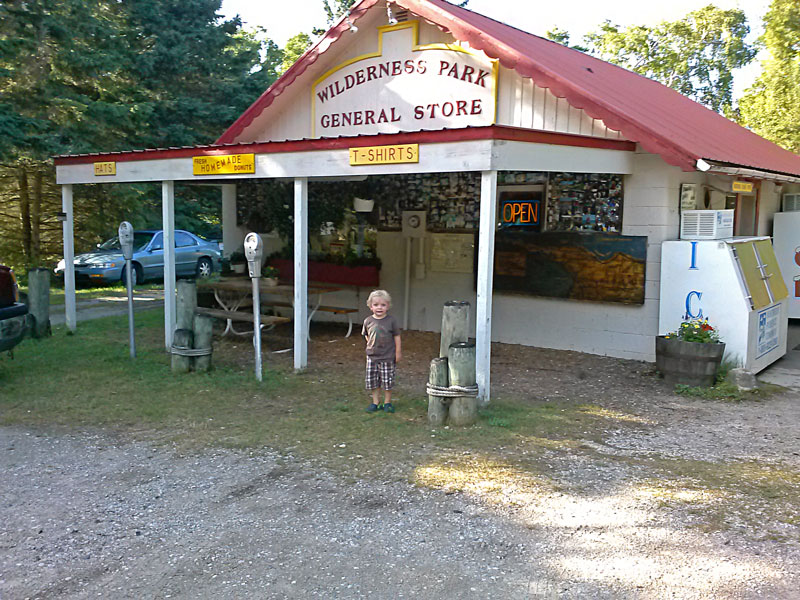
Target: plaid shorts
{"x":380,"y":374}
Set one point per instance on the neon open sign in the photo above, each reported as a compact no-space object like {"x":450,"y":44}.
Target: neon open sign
{"x":520,"y":212}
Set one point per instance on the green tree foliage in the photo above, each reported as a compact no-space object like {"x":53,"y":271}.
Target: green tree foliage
{"x":104,"y":75}
{"x":562,"y":37}
{"x":335,"y":9}
{"x":294,"y":49}
{"x":62,"y":77}
{"x":771,"y":107}
{"x":197,"y":71}
{"x":695,"y":55}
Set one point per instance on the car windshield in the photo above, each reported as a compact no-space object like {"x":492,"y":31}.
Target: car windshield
{"x":140,"y":240}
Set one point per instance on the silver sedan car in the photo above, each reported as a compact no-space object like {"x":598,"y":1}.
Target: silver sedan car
{"x":194,"y":257}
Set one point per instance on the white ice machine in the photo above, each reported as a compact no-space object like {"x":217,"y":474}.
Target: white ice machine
{"x":735,"y":283}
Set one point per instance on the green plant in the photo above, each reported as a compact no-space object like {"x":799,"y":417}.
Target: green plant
{"x":725,"y":367}
{"x":270,"y":272}
{"x":349,"y":259}
{"x":696,"y":330}
{"x":237,"y":256}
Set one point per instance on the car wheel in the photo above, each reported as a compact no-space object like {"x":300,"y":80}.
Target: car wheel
{"x":204,"y":267}
{"x":137,"y":275}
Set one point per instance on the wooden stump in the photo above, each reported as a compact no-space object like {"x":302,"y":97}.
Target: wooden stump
{"x":461,"y":368}
{"x":455,"y":325}
{"x":185,"y":304}
{"x":203,"y":326}
{"x":182,"y":339}
{"x":437,"y":406}
{"x":39,"y":301}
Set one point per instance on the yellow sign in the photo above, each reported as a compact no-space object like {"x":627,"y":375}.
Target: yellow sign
{"x":105,"y":168}
{"x":224,"y":165}
{"x":385,"y":155}
{"x":742,"y":186}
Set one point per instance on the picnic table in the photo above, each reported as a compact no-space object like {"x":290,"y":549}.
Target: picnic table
{"x":235,"y":294}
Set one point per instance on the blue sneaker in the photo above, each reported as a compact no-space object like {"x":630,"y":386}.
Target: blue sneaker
{"x":372,"y":408}
{"x":388,"y":407}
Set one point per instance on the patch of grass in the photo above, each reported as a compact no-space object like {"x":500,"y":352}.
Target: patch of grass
{"x":89,"y":380}
{"x":725,"y":367}
{"x":726,"y":390}
{"x":721,"y":496}
{"x":117,"y":290}
{"x":488,"y":478}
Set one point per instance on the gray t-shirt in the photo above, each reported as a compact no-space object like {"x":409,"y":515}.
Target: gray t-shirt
{"x":380,"y":337}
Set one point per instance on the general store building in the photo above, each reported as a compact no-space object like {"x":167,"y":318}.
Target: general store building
{"x":545,"y":179}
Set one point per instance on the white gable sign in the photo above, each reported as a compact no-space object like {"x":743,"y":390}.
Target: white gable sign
{"x":405,"y":87}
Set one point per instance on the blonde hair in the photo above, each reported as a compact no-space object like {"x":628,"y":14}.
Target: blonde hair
{"x":379,"y":294}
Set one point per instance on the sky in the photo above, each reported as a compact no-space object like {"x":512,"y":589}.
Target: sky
{"x":578,"y":17}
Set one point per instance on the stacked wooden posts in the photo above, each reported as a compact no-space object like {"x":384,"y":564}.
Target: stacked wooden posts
{"x":452,"y":375}
{"x":39,"y":302}
{"x":191,"y":342}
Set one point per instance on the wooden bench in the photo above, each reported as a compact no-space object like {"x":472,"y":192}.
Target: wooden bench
{"x":237,"y":315}
{"x":335,"y":310}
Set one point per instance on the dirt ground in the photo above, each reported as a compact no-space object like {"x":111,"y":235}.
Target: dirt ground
{"x":92,"y":514}
{"x":680,"y":426}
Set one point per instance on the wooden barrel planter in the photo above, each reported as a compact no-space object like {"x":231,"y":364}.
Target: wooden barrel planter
{"x":688,"y":363}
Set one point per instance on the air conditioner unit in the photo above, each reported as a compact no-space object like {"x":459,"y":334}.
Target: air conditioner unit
{"x":791,"y":202}
{"x":706,"y":224}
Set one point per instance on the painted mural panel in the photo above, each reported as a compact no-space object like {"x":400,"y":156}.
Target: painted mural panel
{"x":578,"y":266}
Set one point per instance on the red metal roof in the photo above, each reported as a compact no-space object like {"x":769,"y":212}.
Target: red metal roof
{"x":490,"y":132}
{"x":662,"y":120}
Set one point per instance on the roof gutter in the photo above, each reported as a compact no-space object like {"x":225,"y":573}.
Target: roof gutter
{"x":706,"y":166}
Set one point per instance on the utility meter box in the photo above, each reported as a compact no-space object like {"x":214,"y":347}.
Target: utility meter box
{"x":414,"y":223}
{"x":706,"y":224}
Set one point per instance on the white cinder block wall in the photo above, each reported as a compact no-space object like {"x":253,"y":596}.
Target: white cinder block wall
{"x":650,"y":208}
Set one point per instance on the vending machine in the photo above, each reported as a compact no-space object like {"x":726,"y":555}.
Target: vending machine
{"x":786,"y":239}
{"x":737,"y":285}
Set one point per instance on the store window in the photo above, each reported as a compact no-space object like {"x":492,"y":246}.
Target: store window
{"x":527,"y":201}
{"x":584,"y":202}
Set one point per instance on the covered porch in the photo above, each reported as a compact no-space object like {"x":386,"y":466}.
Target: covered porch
{"x":484,"y":150}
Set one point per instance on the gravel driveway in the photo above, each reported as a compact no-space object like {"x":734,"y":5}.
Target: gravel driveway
{"x":94,"y":514}
{"x":87,"y":515}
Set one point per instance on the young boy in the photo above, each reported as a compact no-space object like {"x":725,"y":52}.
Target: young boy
{"x":383,"y":349}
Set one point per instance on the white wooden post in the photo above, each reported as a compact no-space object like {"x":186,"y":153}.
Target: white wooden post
{"x":483,"y":332}
{"x":300,"y":273}
{"x":71,"y":316}
{"x":407,"y":287}
{"x":231,"y":235}
{"x":168,"y":225}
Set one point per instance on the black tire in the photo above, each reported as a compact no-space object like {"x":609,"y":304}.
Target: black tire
{"x":204,"y":268}
{"x":136,"y":271}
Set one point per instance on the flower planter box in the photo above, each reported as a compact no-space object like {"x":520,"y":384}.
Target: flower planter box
{"x":363,"y":276}
{"x":688,"y":363}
